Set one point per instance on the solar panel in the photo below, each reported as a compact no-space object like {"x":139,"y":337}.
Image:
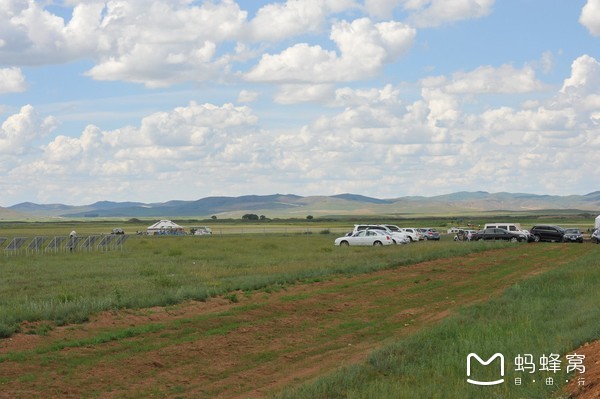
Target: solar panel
{"x":72,"y":243}
{"x":36,"y":244}
{"x":105,"y":242}
{"x":58,"y":243}
{"x":55,"y":243}
{"x":119,"y":240}
{"x":88,"y":243}
{"x":15,"y":244}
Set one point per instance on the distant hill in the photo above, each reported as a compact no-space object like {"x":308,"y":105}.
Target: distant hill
{"x":289,"y":205}
{"x":362,"y":198}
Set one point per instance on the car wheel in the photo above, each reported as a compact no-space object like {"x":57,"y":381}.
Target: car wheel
{"x":344,"y":244}
{"x":377,"y":244}
{"x":536,"y":238}
{"x":514,"y":239}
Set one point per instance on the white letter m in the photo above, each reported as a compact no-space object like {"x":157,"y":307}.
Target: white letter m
{"x":480,"y":360}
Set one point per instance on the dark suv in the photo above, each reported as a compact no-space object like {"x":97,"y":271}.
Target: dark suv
{"x":547,"y":233}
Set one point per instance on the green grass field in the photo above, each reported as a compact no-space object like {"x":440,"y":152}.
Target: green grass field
{"x":550,"y":306}
{"x":160,"y":271}
{"x":552,"y":313}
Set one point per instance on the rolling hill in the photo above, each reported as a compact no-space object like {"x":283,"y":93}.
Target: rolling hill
{"x":288,"y":205}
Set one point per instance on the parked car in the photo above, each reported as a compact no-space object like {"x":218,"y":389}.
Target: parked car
{"x":514,"y":227}
{"x":365,"y":237}
{"x":596,"y":236}
{"x":429,"y":234}
{"x":413,"y":234}
{"x":200,"y":231}
{"x":117,"y":230}
{"x":530,"y":237}
{"x":398,"y":237}
{"x":547,"y":233}
{"x":573,"y":235}
{"x":498,"y":234}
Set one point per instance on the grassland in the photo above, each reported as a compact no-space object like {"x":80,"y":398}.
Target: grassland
{"x":273,"y":311}
{"x":159,"y":271}
{"x":552,"y":313}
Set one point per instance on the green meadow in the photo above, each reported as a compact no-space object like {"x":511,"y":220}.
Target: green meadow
{"x":552,"y":313}
{"x":550,"y":308}
{"x":150,"y":271}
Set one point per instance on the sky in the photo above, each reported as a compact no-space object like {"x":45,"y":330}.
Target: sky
{"x":151,"y":101}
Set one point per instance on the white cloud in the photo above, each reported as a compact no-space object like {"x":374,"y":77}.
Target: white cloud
{"x":347,"y":97}
{"x":156,"y":43}
{"x":364,"y":48}
{"x":298,"y":93}
{"x":248,"y":96}
{"x":585,"y":77}
{"x":20,"y":130}
{"x":12,"y":80}
{"x":486,"y":79}
{"x":434,"y":13}
{"x":381,"y":8}
{"x":185,"y":134}
{"x":280,"y":20}
{"x":590,"y":16}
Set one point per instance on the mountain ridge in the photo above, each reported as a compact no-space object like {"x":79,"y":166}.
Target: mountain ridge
{"x":292,"y":205}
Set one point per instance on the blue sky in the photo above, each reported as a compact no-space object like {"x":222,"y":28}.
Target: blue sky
{"x":150,"y":101}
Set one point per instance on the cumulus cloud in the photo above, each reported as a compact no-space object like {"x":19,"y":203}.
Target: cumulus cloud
{"x":448,"y":141}
{"x":294,"y":17}
{"x":345,"y":97}
{"x":434,"y":13}
{"x":486,"y":79}
{"x":381,"y":8}
{"x":20,"y":130}
{"x":585,"y":77}
{"x":248,"y":96}
{"x":186,"y":147}
{"x":590,"y":16}
{"x":155,"y":43}
{"x":185,"y":134}
{"x":12,"y":80}
{"x":298,"y":93}
{"x":364,"y":48}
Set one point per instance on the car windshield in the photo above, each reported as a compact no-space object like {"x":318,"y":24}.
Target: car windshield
{"x":572,"y":231}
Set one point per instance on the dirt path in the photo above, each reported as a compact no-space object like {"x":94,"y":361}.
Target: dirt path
{"x":586,"y":385}
{"x":251,"y":345}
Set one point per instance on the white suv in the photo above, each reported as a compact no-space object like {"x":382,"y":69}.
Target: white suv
{"x":412,"y":233}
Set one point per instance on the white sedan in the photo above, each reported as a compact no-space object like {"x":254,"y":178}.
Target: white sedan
{"x":365,"y":237}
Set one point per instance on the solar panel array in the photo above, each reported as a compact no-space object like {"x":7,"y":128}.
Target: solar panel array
{"x":56,"y":244}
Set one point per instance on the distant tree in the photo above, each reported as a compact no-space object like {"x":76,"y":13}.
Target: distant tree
{"x":213,"y":217}
{"x":263,"y":217}
{"x":250,"y":216}
{"x":309,"y":217}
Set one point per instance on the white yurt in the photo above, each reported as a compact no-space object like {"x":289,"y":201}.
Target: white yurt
{"x":165,"y":227}
{"x":597,"y":224}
